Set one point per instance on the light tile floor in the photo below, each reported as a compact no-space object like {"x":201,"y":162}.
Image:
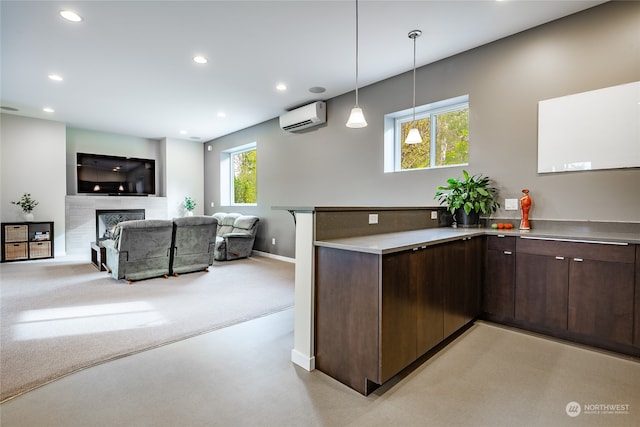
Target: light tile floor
{"x":242,"y":376}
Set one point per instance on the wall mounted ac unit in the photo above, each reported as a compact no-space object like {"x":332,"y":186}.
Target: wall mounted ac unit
{"x":313,"y":114}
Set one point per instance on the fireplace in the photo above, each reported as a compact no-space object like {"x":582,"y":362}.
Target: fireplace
{"x":81,"y":226}
{"x":106,"y":221}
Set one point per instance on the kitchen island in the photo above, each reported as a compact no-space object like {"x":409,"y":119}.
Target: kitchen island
{"x":381,"y":301}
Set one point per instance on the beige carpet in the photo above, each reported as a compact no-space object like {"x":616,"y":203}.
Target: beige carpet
{"x":62,"y":316}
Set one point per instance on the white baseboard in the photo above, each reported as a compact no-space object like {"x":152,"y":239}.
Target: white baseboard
{"x":305,"y":362}
{"x":274,"y":256}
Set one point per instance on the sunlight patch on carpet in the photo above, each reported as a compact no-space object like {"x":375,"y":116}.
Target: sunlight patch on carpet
{"x":83,"y":320}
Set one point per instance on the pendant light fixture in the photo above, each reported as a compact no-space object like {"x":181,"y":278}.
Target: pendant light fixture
{"x":413,"y":137}
{"x":356,"y":118}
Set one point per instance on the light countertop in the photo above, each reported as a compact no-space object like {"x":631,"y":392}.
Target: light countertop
{"x":395,"y":242}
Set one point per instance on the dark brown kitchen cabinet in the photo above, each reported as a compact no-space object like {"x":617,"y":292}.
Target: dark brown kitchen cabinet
{"x":398,"y":323}
{"x":499,"y":277}
{"x":462,"y":281}
{"x":636,"y":328}
{"x":601,"y":298}
{"x":428,"y":269}
{"x":376,"y":314}
{"x":542,"y":288}
{"x":347,"y":316}
{"x":453,"y":286}
{"x":585,"y":289}
{"x":474,"y":271}
{"x":366,"y":316}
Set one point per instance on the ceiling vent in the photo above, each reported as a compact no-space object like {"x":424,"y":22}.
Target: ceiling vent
{"x":304,"y":117}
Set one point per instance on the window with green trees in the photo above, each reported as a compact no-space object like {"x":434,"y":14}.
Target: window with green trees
{"x":444,"y":127}
{"x":245,"y":170}
{"x":239,"y":175}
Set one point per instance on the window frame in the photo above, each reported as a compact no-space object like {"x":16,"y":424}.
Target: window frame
{"x":227,"y":190}
{"x":393,"y":131}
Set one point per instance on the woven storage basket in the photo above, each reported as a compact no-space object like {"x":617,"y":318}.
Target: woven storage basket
{"x":39,"y":249}
{"x":15,"y":251}
{"x":16,"y":233}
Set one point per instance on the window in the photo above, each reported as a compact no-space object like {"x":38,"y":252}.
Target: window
{"x":444,"y":127}
{"x":239,"y":175}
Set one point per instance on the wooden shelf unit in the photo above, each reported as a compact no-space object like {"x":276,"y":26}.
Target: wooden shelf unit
{"x":23,"y":241}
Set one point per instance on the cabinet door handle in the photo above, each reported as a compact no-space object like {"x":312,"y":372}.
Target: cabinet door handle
{"x":507,"y":252}
{"x":560,"y":257}
{"x":553,"y":239}
{"x":578,"y":259}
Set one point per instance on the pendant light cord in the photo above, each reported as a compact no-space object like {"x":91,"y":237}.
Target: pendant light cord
{"x":357,"y":53}
{"x":356,"y":118}
{"x":414,"y":80}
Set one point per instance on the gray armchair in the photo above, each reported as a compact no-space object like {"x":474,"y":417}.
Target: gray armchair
{"x":194,"y":243}
{"x":140,"y":249}
{"x":235,"y":236}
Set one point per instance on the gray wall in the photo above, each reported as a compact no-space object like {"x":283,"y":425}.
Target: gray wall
{"x":184,"y":175}
{"x":32,"y":158}
{"x":336,"y":166}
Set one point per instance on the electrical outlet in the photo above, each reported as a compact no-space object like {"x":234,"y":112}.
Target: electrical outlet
{"x":510,"y":204}
{"x":273,"y":241}
{"x":373,"y":218}
{"x":213,"y":205}
{"x":434,"y":214}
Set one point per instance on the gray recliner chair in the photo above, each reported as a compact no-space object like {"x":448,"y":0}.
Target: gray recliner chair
{"x":140,"y":249}
{"x":235,"y":236}
{"x":193,"y":243}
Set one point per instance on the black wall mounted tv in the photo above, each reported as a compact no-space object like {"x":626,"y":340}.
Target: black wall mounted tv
{"x":113,"y":175}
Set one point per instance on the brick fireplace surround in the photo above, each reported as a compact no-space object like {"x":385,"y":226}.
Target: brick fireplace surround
{"x":80,"y":217}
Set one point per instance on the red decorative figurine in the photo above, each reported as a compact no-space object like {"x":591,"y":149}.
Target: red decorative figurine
{"x":525,"y":204}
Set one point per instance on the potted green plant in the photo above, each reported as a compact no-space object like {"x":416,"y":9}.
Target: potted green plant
{"x":467,"y":198}
{"x":27,"y":204}
{"x":189,"y":205}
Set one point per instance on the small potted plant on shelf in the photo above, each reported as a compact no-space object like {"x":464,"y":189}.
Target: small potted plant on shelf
{"x":189,"y":205}
{"x":27,"y":204}
{"x":467,"y":198}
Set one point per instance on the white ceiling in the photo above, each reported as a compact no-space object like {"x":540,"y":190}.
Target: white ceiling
{"x":128,"y":68}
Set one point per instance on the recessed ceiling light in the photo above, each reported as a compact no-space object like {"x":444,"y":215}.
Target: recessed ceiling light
{"x":56,"y":77}
{"x":222,"y":114}
{"x":281,"y":87}
{"x":317,"y":89}
{"x":200,"y":60}
{"x":183,"y":132}
{"x":70,"y":15}
{"x":197,"y":138}
{"x":7,"y":108}
{"x":48,"y":110}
